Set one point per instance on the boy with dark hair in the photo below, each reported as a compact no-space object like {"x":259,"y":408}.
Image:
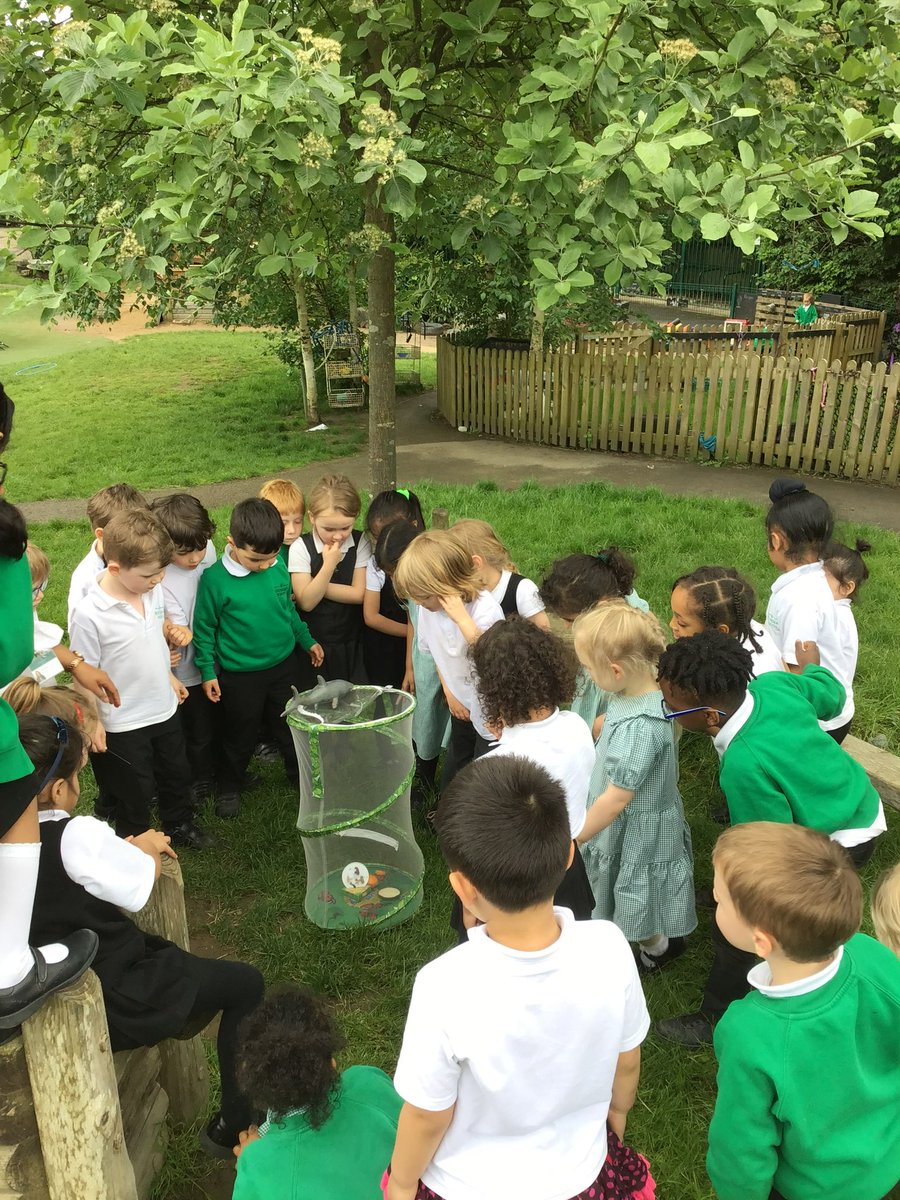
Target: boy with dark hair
{"x":498,"y":1101}
{"x":101,"y":508}
{"x":119,"y":626}
{"x":809,"y":1062}
{"x":245,"y":621}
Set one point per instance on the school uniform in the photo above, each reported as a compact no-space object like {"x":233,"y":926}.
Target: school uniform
{"x":82,"y":578}
{"x":384,"y":655}
{"x":517,"y":596}
{"x":844,"y":667}
{"x":337,"y":627}
{"x":431,"y":718}
{"x":590,"y":700}
{"x":18,"y":780}
{"x":768,"y":656}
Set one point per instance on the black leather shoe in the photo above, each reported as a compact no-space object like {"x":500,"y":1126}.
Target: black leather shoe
{"x":21,"y":1001}
{"x":217,"y":1140}
{"x":649,"y":964}
{"x":228,"y":805}
{"x":693,"y":1030}
{"x":188,"y":836}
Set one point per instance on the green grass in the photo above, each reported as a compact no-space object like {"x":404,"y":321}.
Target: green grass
{"x":252,"y":887}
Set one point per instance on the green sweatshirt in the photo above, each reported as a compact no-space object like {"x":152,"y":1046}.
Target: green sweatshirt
{"x":344,"y":1159}
{"x":781,"y":766}
{"x":245,"y":622}
{"x":809,"y":1087}
{"x":16,"y":652}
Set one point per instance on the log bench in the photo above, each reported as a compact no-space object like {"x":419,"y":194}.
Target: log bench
{"x":882,"y":767}
{"x":78,"y":1122}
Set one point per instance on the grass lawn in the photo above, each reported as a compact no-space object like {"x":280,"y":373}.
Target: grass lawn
{"x":251,"y":889}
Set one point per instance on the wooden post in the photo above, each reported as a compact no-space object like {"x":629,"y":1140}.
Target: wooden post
{"x":76,"y":1100}
{"x":22,"y":1174}
{"x":440,"y":518}
{"x":183,"y":1072}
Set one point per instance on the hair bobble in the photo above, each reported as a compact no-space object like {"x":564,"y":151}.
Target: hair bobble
{"x":402,"y":492}
{"x":602,"y":557}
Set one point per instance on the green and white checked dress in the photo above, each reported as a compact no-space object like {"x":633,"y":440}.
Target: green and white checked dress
{"x":431,"y":719}
{"x":590,"y":700}
{"x":641,"y":867}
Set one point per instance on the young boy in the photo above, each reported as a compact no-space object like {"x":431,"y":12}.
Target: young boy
{"x":809,"y":1062}
{"x":118,"y":625}
{"x":776,"y":764}
{"x":191,"y":529}
{"x":102,"y":507}
{"x":245,"y":621}
{"x":288,"y":499}
{"x":521,"y":1053}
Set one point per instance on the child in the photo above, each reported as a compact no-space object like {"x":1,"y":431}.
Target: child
{"x":802,"y":608}
{"x":384,"y":637}
{"x":886,"y":909}
{"x":246,"y":625}
{"x":577,"y":584}
{"x":118,"y":624}
{"x":809,"y":1062}
{"x":191,"y":529}
{"x":102,"y":507}
{"x":806,"y":312}
{"x":151,"y":988}
{"x":498,"y":1100}
{"x":328,"y":1132}
{"x":777,"y":764}
{"x":720,"y":598}
{"x":328,"y":576}
{"x":497,"y":572}
{"x":437,"y":572}
{"x":846,"y":572}
{"x":524,"y":675}
{"x":288,"y":499}
{"x":637,"y":842}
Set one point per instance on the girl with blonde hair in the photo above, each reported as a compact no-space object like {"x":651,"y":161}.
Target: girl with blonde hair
{"x":515,"y":594}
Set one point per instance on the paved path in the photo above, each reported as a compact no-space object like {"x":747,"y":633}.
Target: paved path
{"x":429,"y":449}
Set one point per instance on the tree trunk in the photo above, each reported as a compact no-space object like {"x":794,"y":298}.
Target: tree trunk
{"x":353,"y":296}
{"x":382,"y":338}
{"x":306,"y":349}
{"x":537,"y":330}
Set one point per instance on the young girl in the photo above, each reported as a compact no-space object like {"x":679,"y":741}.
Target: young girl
{"x":637,"y":844}
{"x":802,"y":609}
{"x":498,"y":575}
{"x":846,"y":572}
{"x":436,"y":571}
{"x":886,"y":909}
{"x":329,"y":1132}
{"x":575,"y":585}
{"x":384,"y":637}
{"x":431,"y":718}
{"x":328,"y":576}
{"x":524,"y":675}
{"x":720,"y":598}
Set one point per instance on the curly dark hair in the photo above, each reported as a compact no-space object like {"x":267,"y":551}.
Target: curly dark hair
{"x":285,"y":1055}
{"x":712,"y":666}
{"x":580,"y":581}
{"x":520,"y":668}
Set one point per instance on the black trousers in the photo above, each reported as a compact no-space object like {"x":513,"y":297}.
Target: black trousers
{"x":141,"y":764}
{"x":465,"y":745}
{"x":200,"y":721}
{"x":252,"y":700}
{"x":840,"y":733}
{"x":727,"y":978}
{"x":861,"y":854}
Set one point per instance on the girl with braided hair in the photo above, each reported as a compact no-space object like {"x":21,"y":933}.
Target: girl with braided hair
{"x":721,"y":598}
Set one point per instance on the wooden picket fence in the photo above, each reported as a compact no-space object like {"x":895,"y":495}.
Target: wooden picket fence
{"x":795,"y":413}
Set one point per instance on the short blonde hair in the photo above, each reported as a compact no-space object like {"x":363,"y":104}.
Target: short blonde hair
{"x":38,"y":564}
{"x":337,"y":492}
{"x":25,"y":695}
{"x":284,"y":494}
{"x":614,"y":632}
{"x":136,"y":537}
{"x":479,"y":538}
{"x":886,"y":909}
{"x":117,"y":498}
{"x":436,"y":564}
{"x":795,"y":883}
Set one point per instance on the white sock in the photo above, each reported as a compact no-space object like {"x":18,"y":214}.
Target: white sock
{"x":18,"y":880}
{"x":655,"y":946}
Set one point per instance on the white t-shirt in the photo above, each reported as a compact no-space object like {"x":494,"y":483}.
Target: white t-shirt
{"x":767,"y":658}
{"x":180,"y":591}
{"x":105,"y":865}
{"x":563,"y":746}
{"x":374,"y":577}
{"x":47,"y":636}
{"x":802,"y":608}
{"x":526,"y":1044}
{"x":528,"y":601}
{"x":442,"y":638}
{"x":82,"y":578}
{"x":114,"y":636}
{"x":298,"y":555}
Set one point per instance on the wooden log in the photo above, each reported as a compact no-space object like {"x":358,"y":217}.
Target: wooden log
{"x":22,"y":1174}
{"x":76,"y":1100}
{"x":882,"y":767}
{"x":440,"y":518}
{"x":148,"y":1150}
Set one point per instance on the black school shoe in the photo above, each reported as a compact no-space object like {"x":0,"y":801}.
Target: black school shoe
{"x":649,"y":964}
{"x":692,"y":1030}
{"x":217,"y":1140}
{"x":228,"y":805}
{"x":189,"y":836}
{"x":21,"y":1001}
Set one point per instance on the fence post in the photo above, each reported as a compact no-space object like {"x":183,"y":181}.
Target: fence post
{"x":838,"y":342}
{"x":440,"y":518}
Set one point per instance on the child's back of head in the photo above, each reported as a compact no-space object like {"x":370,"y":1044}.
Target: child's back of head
{"x":436,"y":564}
{"x":117,"y":498}
{"x":256,"y":525}
{"x":26,"y":696}
{"x":185,"y":520}
{"x":580,"y":581}
{"x":615,"y":632}
{"x":480,"y":539}
{"x":392,"y":541}
{"x":886,"y":909}
{"x":137,"y":537}
{"x":799,"y":523}
{"x":711,"y":668}
{"x":845,"y":565}
{"x":522,"y":668}
{"x":395,"y":504}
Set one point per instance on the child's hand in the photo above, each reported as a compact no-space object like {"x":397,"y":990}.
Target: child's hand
{"x":454,"y":608}
{"x":807,"y":654}
{"x":212,"y":691}
{"x":179,"y":689}
{"x":456,"y":709}
{"x":316,"y":655}
{"x":331,"y":555}
{"x":98,"y":739}
{"x":597,"y":727}
{"x":154,"y":843}
{"x":245,"y":1137}
{"x":174,"y":657}
{"x":409,"y":683}
{"x":97,"y":682}
{"x":178,"y":635}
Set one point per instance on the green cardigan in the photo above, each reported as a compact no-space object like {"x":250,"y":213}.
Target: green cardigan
{"x":344,"y":1159}
{"x":809,"y":1087}
{"x":16,"y":652}
{"x":781,"y":766}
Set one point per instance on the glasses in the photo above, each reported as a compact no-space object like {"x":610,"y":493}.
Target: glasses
{"x":62,"y":740}
{"x":3,"y":469}
{"x":40,"y":589}
{"x":683,"y":712}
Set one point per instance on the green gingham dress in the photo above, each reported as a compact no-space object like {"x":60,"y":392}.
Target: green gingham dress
{"x":431,"y":719}
{"x":641,"y":867}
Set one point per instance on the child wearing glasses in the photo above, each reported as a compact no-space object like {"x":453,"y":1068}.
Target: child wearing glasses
{"x":636,"y":842}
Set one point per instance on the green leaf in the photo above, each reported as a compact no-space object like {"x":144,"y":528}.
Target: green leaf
{"x":748,"y":155}
{"x":542,"y":9}
{"x":861,"y":203}
{"x":546,"y":268}
{"x":800,"y":213}
{"x":713,"y":226}
{"x":767,"y":19}
{"x":617,"y":192}
{"x":460,"y":234}
{"x":532,"y":173}
{"x":156,"y":263}
{"x":482,"y":12}
{"x":681,"y":229}
{"x":654,"y":155}
{"x":669,"y":117}
{"x":839,"y":233}
{"x":304,"y":260}
{"x":412,"y":170}
{"x":75,"y":83}
{"x":745,"y":112}
{"x":399,"y":196}
{"x":547,"y":296}
{"x":612,"y":272}
{"x":733,"y":191}
{"x":581,"y":279}
{"x":31,"y":237}
{"x":273,"y":264}
{"x":691,"y":137}
{"x":131,"y":98}
{"x":744,"y":239}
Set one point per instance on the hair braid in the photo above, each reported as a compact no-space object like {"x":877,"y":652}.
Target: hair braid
{"x":712,"y":666}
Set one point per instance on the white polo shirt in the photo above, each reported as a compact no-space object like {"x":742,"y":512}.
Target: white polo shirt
{"x":298,"y":555}
{"x":563,"y":746}
{"x":525,"y":1044}
{"x":105,"y":865}
{"x":528,"y":600}
{"x":802,"y":608}
{"x":130,"y":647}
{"x":180,"y":590}
{"x":443,"y":639}
{"x":82,"y":578}
{"x":768,"y":657}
